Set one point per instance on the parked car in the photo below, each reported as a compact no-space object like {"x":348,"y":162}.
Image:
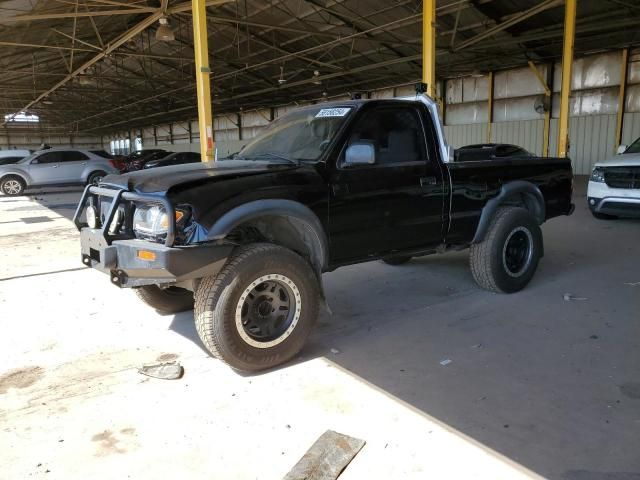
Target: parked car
{"x":483,"y":151}
{"x":614,"y":185}
{"x":324,"y":186}
{"x":116,"y":161}
{"x":137,"y":160}
{"x":178,"y":158}
{"x":55,"y":166}
{"x":13,"y":156}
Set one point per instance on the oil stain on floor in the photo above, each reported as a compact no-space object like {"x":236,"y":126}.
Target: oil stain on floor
{"x":20,"y":378}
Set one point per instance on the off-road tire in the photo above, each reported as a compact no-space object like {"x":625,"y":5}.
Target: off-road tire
{"x":401,"y":260}
{"x":218,"y":301}
{"x":168,"y":300}
{"x":488,"y":258}
{"x":11,"y":181}
{"x":603,"y":216}
{"x":91,"y":180}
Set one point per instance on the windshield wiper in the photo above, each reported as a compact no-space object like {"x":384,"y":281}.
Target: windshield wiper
{"x":272,"y":155}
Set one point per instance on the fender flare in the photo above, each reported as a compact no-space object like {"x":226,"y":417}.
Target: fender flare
{"x":16,"y":174}
{"x":276,"y":207}
{"x":516,"y":187}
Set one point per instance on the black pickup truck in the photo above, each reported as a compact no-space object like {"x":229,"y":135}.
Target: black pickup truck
{"x":244,"y":241}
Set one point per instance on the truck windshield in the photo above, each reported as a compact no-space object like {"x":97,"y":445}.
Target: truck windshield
{"x":302,"y":135}
{"x":634,"y":147}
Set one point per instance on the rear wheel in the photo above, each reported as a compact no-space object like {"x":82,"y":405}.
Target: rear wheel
{"x":12,"y":186}
{"x":166,"y":300}
{"x":259,"y":310}
{"x":506,"y":260}
{"x":95,"y":178}
{"x":401,"y":260}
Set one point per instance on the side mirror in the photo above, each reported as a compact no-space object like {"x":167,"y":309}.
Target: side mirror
{"x":34,"y":161}
{"x":360,"y":153}
{"x":621,"y":149}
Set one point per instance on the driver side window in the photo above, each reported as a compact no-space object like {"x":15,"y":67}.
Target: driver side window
{"x":50,"y":157}
{"x":395,"y":134}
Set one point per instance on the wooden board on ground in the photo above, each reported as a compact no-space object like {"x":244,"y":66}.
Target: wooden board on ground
{"x":327,"y":458}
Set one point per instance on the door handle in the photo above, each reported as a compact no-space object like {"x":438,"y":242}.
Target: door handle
{"x":83,"y":163}
{"x":428,"y":181}
{"x":55,"y":166}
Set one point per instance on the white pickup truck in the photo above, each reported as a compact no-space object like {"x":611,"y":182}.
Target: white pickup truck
{"x":614,"y":186}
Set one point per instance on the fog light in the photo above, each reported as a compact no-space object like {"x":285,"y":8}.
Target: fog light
{"x":592,"y":202}
{"x":116,"y":222}
{"x":92,"y":216}
{"x":146,"y":255}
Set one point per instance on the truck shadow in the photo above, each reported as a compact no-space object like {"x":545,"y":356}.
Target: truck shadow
{"x":43,"y":206}
{"x":537,"y":378}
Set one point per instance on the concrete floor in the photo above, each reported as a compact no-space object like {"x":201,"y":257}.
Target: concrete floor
{"x":537,"y":386}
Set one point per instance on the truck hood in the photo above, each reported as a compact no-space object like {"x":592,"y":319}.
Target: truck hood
{"x":160,"y":180}
{"x":622,"y":160}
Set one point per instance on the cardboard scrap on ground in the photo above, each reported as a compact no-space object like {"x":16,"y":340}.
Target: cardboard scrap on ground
{"x":164,"y":371}
{"x":327,"y":458}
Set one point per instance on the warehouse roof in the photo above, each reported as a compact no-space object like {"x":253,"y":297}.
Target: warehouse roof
{"x":96,"y":65}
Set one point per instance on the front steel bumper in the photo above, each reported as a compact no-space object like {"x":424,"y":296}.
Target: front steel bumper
{"x":120,"y":257}
{"x":121,"y":261}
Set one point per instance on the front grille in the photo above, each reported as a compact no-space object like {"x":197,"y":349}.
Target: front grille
{"x":622,"y":177}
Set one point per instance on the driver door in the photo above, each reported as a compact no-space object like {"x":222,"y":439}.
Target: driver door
{"x":395,"y":203}
{"x":45,"y":169}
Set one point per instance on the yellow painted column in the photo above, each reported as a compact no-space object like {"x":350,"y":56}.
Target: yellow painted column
{"x":567,"y":61}
{"x":547,"y":113}
{"x":490,"y":108}
{"x":203,"y":80}
{"x":622,"y":97}
{"x":429,"y":46}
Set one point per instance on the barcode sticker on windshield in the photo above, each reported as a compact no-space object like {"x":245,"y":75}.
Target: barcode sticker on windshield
{"x":332,"y":112}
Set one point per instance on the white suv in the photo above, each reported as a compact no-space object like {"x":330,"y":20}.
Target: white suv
{"x":55,"y":166}
{"x":614,"y":186}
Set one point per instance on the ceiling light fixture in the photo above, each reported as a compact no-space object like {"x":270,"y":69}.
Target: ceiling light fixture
{"x":316,"y":78}
{"x":282,"y":80}
{"x":164,"y":32}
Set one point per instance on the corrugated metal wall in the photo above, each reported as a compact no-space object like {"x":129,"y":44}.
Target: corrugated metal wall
{"x":593,"y":108}
{"x":32,"y":140}
{"x":594,"y":103}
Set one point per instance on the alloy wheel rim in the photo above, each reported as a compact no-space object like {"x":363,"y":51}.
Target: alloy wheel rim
{"x":12,"y":187}
{"x":268,"y":311}
{"x":517,"y":252}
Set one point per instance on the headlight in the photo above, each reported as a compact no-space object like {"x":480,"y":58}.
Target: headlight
{"x":92,"y":216}
{"x":597,"y":175}
{"x":153,"y":220}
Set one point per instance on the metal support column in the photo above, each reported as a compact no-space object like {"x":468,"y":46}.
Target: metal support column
{"x":622,"y":97}
{"x":490,"y":108}
{"x":547,"y":112}
{"x":567,"y":62}
{"x":429,"y":46}
{"x":203,"y":80}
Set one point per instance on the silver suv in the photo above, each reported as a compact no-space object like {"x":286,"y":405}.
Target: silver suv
{"x":55,"y":166}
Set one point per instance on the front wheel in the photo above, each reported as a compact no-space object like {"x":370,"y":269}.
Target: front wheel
{"x":166,"y":300}
{"x":12,"y":186}
{"x":506,"y":260}
{"x":259,"y":310}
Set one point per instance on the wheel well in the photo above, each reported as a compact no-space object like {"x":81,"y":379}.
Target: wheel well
{"x":525,"y":200}
{"x":284,"y":230}
{"x":518,"y":194}
{"x":13,"y":175}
